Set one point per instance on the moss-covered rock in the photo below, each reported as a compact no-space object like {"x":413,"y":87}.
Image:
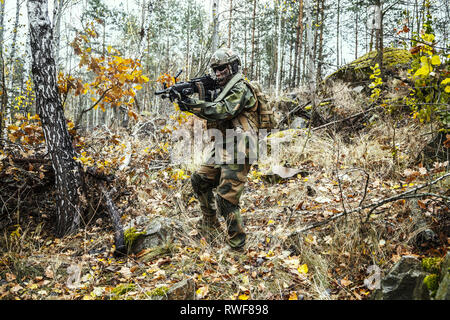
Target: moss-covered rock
{"x":359,"y":70}
{"x":131,"y":236}
{"x":431,"y":264}
{"x":443,"y":292}
{"x":432,"y":283}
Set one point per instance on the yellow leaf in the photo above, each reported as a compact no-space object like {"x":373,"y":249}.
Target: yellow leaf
{"x":445,"y":81}
{"x":192,"y":199}
{"x":293,"y":296}
{"x":13,"y":127}
{"x":270,"y":222}
{"x":145,"y":78}
{"x":423,"y":71}
{"x":424,"y":60}
{"x":202,"y":292}
{"x":428,"y":37}
{"x":447,"y":89}
{"x":303,"y":269}
{"x":435,"y":60}
{"x":243,"y":297}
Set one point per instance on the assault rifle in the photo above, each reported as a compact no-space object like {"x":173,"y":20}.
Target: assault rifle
{"x":201,"y":85}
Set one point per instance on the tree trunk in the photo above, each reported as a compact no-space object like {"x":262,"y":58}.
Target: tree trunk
{"x":57,"y":14}
{"x":4,"y":97}
{"x":311,"y":75}
{"x":279,"y":53}
{"x":252,"y":62}
{"x":298,"y":44}
{"x":320,"y":53}
{"x":356,"y":35}
{"x":215,"y":35}
{"x":229,"y":23}
{"x":337,"y":33}
{"x":188,"y":43}
{"x":68,"y":180}
{"x":378,"y":34}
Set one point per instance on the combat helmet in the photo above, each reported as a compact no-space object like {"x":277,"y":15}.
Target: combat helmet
{"x":225,"y":56}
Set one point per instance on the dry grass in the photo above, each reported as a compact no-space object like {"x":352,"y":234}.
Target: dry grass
{"x":337,"y":254}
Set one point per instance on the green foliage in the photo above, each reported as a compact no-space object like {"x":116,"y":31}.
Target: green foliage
{"x":377,"y":81}
{"x":432,"y":264}
{"x":432,"y":283}
{"x":430,"y":75}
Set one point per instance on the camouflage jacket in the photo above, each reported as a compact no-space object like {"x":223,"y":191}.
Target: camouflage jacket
{"x":234,"y":108}
{"x":234,"y":101}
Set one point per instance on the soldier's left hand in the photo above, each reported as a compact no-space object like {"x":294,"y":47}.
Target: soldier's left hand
{"x":174,"y":95}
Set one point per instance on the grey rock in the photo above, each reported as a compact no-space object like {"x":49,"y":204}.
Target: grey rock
{"x":183,"y":290}
{"x":404,"y":282}
{"x":158,"y":232}
{"x":443,"y":292}
{"x":299,"y":123}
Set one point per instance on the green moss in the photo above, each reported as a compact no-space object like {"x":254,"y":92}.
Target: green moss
{"x":123,"y":288}
{"x":432,"y":283}
{"x":432,"y":264}
{"x":166,"y":248}
{"x":359,"y":69}
{"x":391,"y":58}
{"x":130,"y":236}
{"x":158,"y":292}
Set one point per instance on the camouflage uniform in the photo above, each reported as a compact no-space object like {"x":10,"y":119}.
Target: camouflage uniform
{"x":234,"y":108}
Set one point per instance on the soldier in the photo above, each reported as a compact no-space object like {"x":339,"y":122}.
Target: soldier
{"x":233,"y":107}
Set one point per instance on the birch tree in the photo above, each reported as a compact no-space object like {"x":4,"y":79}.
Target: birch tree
{"x":48,"y":105}
{"x":4,"y":97}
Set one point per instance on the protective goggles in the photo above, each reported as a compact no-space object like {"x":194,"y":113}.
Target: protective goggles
{"x":220,"y":68}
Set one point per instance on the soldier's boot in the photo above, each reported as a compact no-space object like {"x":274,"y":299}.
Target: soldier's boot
{"x":232,"y":215}
{"x":203,"y":190}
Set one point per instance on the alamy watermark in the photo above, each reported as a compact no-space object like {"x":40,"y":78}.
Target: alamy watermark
{"x":374,"y":280}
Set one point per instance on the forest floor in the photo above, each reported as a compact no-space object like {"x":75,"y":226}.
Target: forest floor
{"x":338,"y":172}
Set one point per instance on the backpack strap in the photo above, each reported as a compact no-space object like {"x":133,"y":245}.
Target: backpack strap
{"x":236,"y":78}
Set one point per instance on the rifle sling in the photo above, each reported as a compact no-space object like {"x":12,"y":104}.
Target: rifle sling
{"x":236,"y":78}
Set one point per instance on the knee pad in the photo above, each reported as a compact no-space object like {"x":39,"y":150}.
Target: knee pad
{"x":200,"y":184}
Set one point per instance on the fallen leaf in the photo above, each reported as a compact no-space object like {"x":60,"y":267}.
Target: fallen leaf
{"x":345,"y":282}
{"x":243,"y":297}
{"x":16,"y":288}
{"x":125,"y":271}
{"x":284,"y":172}
{"x":233,"y":270}
{"x":303,"y":269}
{"x":322,"y":199}
{"x":202,"y":292}
{"x":293,"y":295}
{"x":49,"y":272}
{"x":10,"y":277}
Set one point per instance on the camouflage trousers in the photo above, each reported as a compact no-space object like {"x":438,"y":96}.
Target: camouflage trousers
{"x":229,"y":181}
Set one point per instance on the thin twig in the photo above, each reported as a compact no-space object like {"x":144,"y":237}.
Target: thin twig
{"x":91,"y":107}
{"x":404,"y":195}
